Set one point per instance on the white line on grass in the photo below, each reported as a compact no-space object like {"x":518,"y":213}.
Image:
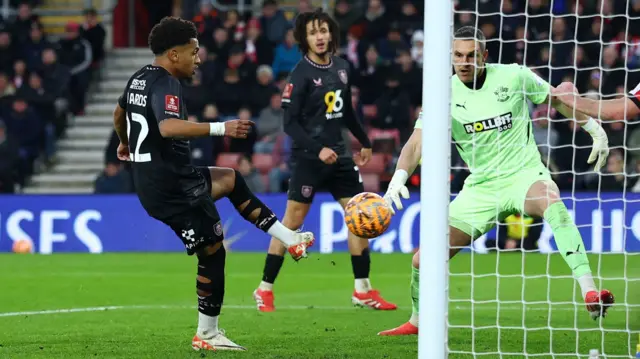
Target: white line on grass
{"x":253,"y":307}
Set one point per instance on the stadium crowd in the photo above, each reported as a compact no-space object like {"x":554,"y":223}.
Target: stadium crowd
{"x":246,"y":60}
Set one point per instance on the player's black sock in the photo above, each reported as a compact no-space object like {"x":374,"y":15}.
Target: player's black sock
{"x":240,"y":195}
{"x":272,"y":267}
{"x":361,"y":265}
{"x":212,"y":268}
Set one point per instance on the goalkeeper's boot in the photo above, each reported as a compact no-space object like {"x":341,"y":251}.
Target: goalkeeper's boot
{"x":599,"y":303}
{"x":217,"y":341}
{"x":405,"y":329}
{"x":264,"y":300}
{"x":299,"y":250}
{"x":371,"y":299}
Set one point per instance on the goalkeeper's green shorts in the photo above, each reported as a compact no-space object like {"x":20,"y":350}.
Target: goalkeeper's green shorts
{"x":475,"y":210}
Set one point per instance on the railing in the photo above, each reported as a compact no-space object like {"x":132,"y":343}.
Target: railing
{"x":8,"y":11}
{"x":241,"y":6}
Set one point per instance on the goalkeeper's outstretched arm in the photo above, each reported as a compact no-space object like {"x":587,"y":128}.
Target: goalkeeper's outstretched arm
{"x":407,"y":163}
{"x":616,"y":109}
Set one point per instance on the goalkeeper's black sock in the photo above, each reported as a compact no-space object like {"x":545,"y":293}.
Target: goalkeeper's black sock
{"x":272,"y":266}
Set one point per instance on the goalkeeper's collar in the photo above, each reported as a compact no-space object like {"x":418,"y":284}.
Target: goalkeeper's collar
{"x":479,"y":81}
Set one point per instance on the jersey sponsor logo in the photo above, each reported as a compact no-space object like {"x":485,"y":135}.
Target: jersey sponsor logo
{"x":288,"y":90}
{"x":343,"y":76}
{"x":171,"y":103}
{"x":137,"y":100}
{"x":502,"y":93}
{"x":138,"y":84}
{"x":501,"y":123}
{"x":188,"y":235}
{"x":335,"y":103}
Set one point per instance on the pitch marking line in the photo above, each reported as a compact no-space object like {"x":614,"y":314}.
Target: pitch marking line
{"x":251,"y":307}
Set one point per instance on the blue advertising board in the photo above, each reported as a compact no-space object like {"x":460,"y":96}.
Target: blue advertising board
{"x":99,"y":223}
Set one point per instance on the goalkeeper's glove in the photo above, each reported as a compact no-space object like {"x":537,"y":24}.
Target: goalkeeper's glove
{"x":600,"y":148}
{"x":396,"y":189}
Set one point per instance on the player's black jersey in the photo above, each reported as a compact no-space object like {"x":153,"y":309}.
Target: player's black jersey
{"x":165,"y":180}
{"x":317,"y":104}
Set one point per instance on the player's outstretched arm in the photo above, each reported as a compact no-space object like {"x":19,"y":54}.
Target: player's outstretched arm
{"x":175,"y":128}
{"x":616,"y":109}
{"x":407,"y":163}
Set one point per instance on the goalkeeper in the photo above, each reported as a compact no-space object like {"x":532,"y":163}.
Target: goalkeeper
{"x":492,"y":130}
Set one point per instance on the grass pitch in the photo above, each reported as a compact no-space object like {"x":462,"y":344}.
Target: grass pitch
{"x":143,"y":306}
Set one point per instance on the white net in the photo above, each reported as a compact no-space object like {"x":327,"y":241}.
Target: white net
{"x":513,"y":295}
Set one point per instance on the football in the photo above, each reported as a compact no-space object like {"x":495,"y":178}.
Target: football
{"x":367,"y":215}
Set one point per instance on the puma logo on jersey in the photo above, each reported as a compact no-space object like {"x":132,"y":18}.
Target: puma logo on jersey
{"x":501,"y":123}
{"x":137,"y":99}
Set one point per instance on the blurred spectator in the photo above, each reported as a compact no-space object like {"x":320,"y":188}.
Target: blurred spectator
{"x":76,"y":53}
{"x":273,"y":22}
{"x":230,"y":94}
{"x":7,"y":51}
{"x":42,"y":102}
{"x":196,"y":96}
{"x":251,"y":175}
{"x":303,"y":7}
{"x":245,"y":68}
{"x":206,"y":20}
{"x":23,"y":23}
{"x":24,"y":124}
{"x":9,"y":161}
{"x":417,"y":46}
{"x":113,"y":180}
{"x":410,"y":20}
{"x":93,"y":31}
{"x":218,"y":45}
{"x":613,"y":178}
{"x":33,"y":48}
{"x":208,"y":68}
{"x":269,"y":126}
{"x":287,"y":56}
{"x":201,"y":149}
{"x":393,"y":108}
{"x":6,"y":91}
{"x":257,"y":48}
{"x":263,"y":89}
{"x":410,"y":77}
{"x":231,"y":22}
{"x":389,"y":46}
{"x":346,"y":16}
{"x":376,"y":21}
{"x":19,"y":76}
{"x":371,"y":76}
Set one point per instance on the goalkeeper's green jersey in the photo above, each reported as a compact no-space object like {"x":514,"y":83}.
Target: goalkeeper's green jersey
{"x":491,"y":126}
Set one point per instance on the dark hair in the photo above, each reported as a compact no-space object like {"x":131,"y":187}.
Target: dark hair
{"x":171,"y":32}
{"x":471,"y":33}
{"x":90,"y":12}
{"x":300,"y":29}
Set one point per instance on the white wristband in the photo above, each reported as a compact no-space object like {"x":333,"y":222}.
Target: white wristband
{"x":216,"y":129}
{"x":591,"y":126}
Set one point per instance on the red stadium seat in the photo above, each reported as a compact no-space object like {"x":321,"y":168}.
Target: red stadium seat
{"x":228,"y":160}
{"x":371,"y":182}
{"x":263,"y":162}
{"x":385,"y":141}
{"x":377,"y":164}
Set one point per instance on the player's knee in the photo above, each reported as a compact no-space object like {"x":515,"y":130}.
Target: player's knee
{"x":415,"y":261}
{"x":226,"y":178}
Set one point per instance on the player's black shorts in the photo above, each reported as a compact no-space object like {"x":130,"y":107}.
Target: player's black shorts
{"x":200,"y":225}
{"x":342,"y":179}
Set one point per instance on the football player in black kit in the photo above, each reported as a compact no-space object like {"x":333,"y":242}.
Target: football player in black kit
{"x":150,"y":120}
{"x":317,"y":104}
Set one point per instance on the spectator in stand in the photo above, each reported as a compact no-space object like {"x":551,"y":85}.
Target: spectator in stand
{"x":376,"y":21}
{"x":270,"y":125}
{"x":258,"y":49}
{"x":230,"y":95}
{"x":33,"y":48}
{"x":410,"y":77}
{"x":219,"y":46}
{"x":201,"y":148}
{"x":6,"y":92}
{"x":346,"y":16}
{"x":251,"y":175}
{"x":9,"y":161}
{"x":196,"y":96}
{"x":42,"y":101}
{"x":19,"y":75}
{"x":371,"y":76}
{"x":614,"y":177}
{"x":76,"y":53}
{"x":389,"y":46}
{"x":287,"y":55}
{"x":273,"y":22}
{"x":56,"y":78}
{"x":245,"y":68}
{"x":23,"y":23}
{"x":279,"y":175}
{"x":208,"y":68}
{"x":303,"y":7}
{"x":410,"y":19}
{"x":231,"y":22}
{"x":7,"y":51}
{"x":393,"y":108}
{"x":113,"y":180}
{"x":206,"y":21}
{"x":26,"y":127}
{"x":263,"y":89}
{"x":93,"y":31}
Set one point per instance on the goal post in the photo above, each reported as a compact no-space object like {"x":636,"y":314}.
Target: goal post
{"x":434,"y":188}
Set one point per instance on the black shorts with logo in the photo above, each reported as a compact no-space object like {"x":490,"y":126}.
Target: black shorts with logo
{"x":308,"y":176}
{"x":200,"y":225}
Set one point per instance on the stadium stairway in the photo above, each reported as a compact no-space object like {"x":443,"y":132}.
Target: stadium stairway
{"x":80,"y":155}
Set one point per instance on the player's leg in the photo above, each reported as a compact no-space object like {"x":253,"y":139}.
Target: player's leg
{"x":543,"y":200}
{"x":345,"y":183}
{"x":226,"y":182}
{"x":306,"y":175}
{"x":293,"y":218}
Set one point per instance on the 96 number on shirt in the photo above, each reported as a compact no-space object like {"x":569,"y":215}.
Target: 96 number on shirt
{"x":144,"y":131}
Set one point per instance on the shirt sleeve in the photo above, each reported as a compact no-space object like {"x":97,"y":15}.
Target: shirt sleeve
{"x":293,"y":98}
{"x":166,"y":96}
{"x":634,"y":95}
{"x":536,"y":89}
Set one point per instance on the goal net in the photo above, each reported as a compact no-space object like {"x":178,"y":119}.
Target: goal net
{"x":512,"y":295}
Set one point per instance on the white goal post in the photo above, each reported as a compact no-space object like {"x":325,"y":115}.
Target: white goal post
{"x":526,"y":303}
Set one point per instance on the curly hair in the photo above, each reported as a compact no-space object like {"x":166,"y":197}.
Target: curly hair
{"x":171,"y":32}
{"x":300,"y":29}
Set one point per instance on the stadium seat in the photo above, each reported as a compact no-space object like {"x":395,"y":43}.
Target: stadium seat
{"x":377,"y":164}
{"x":386,"y":141}
{"x":263,"y":162}
{"x":371,"y":182}
{"x":228,"y":160}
